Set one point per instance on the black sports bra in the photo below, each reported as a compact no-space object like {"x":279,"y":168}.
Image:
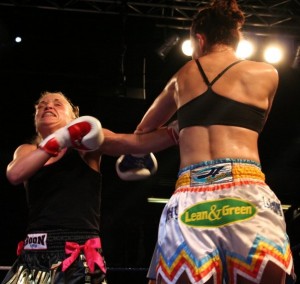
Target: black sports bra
{"x":211,"y":108}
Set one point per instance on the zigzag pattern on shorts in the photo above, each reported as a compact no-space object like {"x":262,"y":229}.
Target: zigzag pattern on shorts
{"x":199,"y":269}
{"x":212,"y":264}
{"x":255,"y":261}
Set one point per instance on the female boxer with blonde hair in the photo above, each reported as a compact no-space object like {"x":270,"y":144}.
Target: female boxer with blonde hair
{"x":60,"y":170}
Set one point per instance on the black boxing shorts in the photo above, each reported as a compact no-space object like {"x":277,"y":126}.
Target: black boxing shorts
{"x":58,"y":257}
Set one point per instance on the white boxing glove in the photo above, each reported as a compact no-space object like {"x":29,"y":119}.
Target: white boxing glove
{"x":83,"y":133}
{"x":136,"y":167}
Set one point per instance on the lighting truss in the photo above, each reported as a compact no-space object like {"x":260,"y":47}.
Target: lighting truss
{"x":262,"y":17}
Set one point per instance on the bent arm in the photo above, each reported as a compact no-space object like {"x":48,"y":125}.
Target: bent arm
{"x":27,"y":160}
{"x":150,"y":135}
{"x":161,"y":110}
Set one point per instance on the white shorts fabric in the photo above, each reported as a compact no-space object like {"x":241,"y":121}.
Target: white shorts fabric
{"x":222,"y":221}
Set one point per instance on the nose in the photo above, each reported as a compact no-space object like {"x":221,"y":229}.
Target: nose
{"x":48,"y":105}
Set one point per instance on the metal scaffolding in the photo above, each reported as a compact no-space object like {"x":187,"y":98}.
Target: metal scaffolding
{"x":262,"y":17}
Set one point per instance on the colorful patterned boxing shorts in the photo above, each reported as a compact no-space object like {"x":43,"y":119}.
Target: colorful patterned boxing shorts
{"x":222,"y":221}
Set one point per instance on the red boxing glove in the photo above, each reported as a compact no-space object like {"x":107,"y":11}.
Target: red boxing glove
{"x":83,"y":133}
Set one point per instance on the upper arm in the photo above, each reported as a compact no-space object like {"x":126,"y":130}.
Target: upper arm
{"x":161,"y":110}
{"x":273,"y":80}
{"x":259,"y":84}
{"x":20,"y":167}
{"x":22,"y":150}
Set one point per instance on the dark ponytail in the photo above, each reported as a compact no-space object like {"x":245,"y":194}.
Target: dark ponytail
{"x":220,"y":21}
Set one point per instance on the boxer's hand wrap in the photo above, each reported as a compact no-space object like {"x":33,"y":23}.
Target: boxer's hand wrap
{"x":83,"y":133}
{"x":136,"y":167}
{"x":173,"y":131}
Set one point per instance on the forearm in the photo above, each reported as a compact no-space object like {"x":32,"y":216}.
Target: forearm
{"x":160,"y":112}
{"x":119,"y":144}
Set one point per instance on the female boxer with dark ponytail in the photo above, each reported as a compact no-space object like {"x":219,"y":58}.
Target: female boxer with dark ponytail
{"x":223,"y":224}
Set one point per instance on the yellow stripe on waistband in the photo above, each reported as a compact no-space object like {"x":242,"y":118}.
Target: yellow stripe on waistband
{"x":239,"y":171}
{"x":184,"y":179}
{"x":247,"y":171}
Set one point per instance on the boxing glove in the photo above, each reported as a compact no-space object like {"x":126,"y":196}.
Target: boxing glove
{"x":136,"y":167}
{"x":173,"y":131}
{"x":83,"y":133}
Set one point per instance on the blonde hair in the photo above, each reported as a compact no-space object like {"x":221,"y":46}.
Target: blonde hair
{"x":75,"y":110}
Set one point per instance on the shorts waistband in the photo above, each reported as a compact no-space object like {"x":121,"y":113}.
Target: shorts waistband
{"x":67,"y":243}
{"x":218,"y":161}
{"x":218,"y":172}
{"x":55,"y":240}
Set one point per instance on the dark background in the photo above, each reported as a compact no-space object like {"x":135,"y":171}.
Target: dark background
{"x":87,"y":55}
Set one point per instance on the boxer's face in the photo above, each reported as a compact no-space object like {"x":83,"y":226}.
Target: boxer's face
{"x":54,"y":111}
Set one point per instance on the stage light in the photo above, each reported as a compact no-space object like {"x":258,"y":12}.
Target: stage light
{"x":187,"y":48}
{"x":245,"y":49}
{"x":273,"y":54}
{"x":157,"y":200}
{"x":18,"y":39}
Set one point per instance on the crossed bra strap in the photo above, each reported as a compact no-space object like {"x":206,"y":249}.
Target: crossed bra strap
{"x":209,"y":84}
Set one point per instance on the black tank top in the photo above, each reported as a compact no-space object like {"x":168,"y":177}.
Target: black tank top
{"x":211,"y":108}
{"x":64,"y":195}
